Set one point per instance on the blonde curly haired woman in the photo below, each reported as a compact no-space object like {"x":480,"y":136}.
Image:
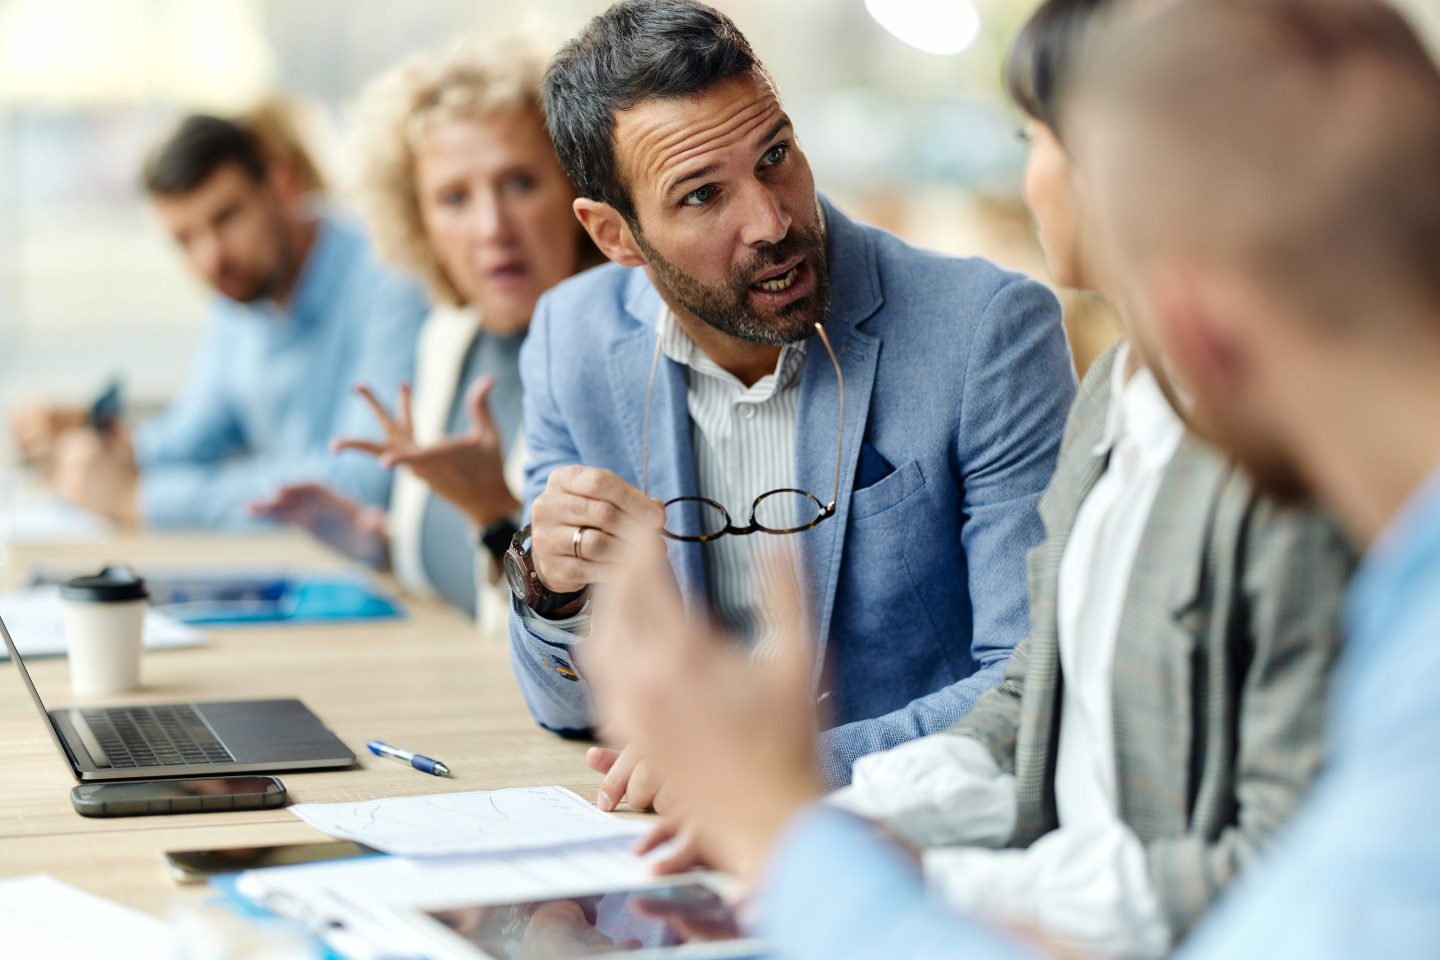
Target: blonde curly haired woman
{"x":460,"y":185}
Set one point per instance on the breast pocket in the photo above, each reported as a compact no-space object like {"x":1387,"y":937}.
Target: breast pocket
{"x":887,"y":492}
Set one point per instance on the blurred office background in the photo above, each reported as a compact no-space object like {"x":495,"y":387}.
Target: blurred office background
{"x":920,"y":141}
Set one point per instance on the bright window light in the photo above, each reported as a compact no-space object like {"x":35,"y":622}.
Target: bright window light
{"x":936,"y":26}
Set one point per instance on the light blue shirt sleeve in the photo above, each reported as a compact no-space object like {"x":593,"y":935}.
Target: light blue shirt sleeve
{"x":200,"y":424}
{"x":1359,"y":877}
{"x":837,"y":889}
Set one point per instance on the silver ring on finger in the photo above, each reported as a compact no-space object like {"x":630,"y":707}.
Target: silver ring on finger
{"x":576,"y":542}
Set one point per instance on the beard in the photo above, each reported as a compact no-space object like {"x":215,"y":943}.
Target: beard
{"x":256,"y":289}
{"x":267,"y":284}
{"x":726,"y":306}
{"x":1273,"y":474}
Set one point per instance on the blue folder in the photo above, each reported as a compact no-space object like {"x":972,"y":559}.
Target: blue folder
{"x":217,"y":598}
{"x":306,"y":598}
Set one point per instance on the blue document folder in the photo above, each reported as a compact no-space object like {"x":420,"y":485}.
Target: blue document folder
{"x":218,"y":598}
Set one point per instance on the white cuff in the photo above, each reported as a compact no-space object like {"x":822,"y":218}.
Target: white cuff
{"x":938,"y":790}
{"x":560,"y":632}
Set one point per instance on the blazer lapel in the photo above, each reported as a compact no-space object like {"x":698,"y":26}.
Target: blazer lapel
{"x":1164,"y":620}
{"x":672,"y":458}
{"x":855,"y":296}
{"x":1076,"y":473}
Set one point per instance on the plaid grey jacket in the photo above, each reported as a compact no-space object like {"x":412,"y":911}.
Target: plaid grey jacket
{"x":1227,"y":640}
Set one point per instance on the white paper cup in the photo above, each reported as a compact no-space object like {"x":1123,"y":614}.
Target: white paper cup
{"x":104,"y":627}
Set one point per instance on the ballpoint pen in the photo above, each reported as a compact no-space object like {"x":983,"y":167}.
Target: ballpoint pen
{"x":424,"y":764}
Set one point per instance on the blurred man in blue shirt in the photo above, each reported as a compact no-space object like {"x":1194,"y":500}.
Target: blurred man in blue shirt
{"x":1262,"y":179}
{"x":305,"y":312}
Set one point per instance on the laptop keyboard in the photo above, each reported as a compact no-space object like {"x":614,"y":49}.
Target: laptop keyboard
{"x":165,"y":736}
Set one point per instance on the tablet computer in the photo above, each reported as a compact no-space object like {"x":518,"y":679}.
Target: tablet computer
{"x":686,"y":919}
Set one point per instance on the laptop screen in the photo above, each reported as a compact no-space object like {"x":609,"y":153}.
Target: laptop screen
{"x":19,"y":662}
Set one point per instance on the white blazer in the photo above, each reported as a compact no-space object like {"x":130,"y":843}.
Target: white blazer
{"x":444,"y":340}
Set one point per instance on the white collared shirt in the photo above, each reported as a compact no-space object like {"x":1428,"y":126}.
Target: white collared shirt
{"x":1086,"y":883}
{"x":744,"y":443}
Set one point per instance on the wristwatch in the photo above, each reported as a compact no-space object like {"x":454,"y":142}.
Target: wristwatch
{"x":529,"y":589}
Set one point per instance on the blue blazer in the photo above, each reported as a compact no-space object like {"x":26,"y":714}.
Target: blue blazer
{"x":957,"y":382}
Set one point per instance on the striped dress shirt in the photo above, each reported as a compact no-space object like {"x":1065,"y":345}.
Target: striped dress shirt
{"x":744,"y":441}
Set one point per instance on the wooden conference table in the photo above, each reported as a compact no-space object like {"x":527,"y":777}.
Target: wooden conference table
{"x":427,"y":683}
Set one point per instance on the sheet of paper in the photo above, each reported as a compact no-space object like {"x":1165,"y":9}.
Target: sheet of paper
{"x":40,"y":917}
{"x":482,"y":821}
{"x":35,"y":517}
{"x":353,"y":902}
{"x":36,"y":621}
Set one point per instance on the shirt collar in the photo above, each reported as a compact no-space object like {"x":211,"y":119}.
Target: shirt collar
{"x":678,"y":345}
{"x":1139,"y":416}
{"x":1404,"y":551}
{"x":318,"y":274}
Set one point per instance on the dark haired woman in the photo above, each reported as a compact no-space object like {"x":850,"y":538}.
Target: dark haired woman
{"x":1163,"y":718}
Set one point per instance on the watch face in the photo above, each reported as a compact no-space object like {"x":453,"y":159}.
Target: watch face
{"x":515,"y":573}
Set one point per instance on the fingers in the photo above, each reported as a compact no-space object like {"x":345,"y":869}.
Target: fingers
{"x":784,"y":607}
{"x":602,"y":485}
{"x":477,"y":402}
{"x":617,"y":781}
{"x":601,"y":759}
{"x":685,"y":857}
{"x":606,"y":508}
{"x":456,"y":451}
{"x":392,"y":428}
{"x":664,"y":833}
{"x":372,"y":447}
{"x":407,"y":419}
{"x":644,"y":786}
{"x":282,"y":500}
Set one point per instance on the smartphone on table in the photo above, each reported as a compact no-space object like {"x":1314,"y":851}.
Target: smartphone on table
{"x":137,"y":798}
{"x":197,"y":866}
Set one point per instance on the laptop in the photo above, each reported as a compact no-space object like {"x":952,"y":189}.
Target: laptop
{"x":187,"y":739}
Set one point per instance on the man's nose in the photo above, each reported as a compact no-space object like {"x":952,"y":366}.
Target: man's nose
{"x":205,"y":256}
{"x":766,"y":222}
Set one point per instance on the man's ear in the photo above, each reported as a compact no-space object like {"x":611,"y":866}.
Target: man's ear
{"x":284,"y":182}
{"x":1198,"y":337}
{"x":609,"y":231}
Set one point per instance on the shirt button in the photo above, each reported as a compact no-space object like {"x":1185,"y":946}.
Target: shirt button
{"x":748,"y":411}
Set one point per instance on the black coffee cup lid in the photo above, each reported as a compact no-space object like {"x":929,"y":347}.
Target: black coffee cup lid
{"x":116,"y":583}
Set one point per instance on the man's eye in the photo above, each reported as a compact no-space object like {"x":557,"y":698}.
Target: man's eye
{"x":775,"y":155}
{"x":698,"y":198}
{"x":453,"y":198}
{"x":520,"y":183}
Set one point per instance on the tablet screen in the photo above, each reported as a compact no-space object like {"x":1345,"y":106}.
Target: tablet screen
{"x":600,"y":925}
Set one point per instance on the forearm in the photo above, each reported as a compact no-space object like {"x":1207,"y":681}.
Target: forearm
{"x":218,"y":495}
{"x":835,"y":889}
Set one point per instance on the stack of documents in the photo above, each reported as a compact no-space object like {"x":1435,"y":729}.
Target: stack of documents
{"x":33,"y":517}
{"x":36,"y":622}
{"x":482,"y":821}
{"x":457,"y":849}
{"x":40,"y":917}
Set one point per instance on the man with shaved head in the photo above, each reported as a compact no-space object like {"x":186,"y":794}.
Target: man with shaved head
{"x":1265,"y":176}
